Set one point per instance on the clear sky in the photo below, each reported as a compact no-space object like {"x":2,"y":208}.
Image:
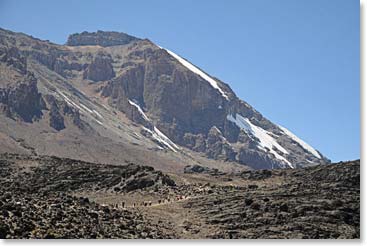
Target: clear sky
{"x":295,"y":61}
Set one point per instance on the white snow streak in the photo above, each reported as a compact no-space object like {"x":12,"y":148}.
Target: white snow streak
{"x":86,"y":108}
{"x":81,"y":107}
{"x":139,"y":109}
{"x":99,"y":122}
{"x":194,"y":69}
{"x":98,"y":114}
{"x":163,"y":139}
{"x":70,"y":102}
{"x":301,"y":142}
{"x":156,"y":133}
{"x":267,"y":142}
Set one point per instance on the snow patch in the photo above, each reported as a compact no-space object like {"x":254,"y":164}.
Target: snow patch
{"x":70,"y":102}
{"x":139,"y":109}
{"x":81,"y":107}
{"x":217,"y":129}
{"x":304,"y":145}
{"x":196,"y":70}
{"x":86,"y":108}
{"x":267,"y":142}
{"x":221,"y":134}
{"x":99,"y":122}
{"x":98,"y":114}
{"x":163,"y":139}
{"x":156,"y":133}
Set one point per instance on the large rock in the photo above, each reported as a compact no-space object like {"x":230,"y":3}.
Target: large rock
{"x":56,"y":119}
{"x":217,"y":146}
{"x":23,"y":100}
{"x":12,"y":57}
{"x":59,"y":111}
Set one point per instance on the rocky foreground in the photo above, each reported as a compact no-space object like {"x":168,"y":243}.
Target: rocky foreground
{"x":34,"y":204}
{"x":317,"y":202}
{"x":49,"y":197}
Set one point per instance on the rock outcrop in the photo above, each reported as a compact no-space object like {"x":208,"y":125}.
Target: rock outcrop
{"x":100,"y":69}
{"x":23,"y":100}
{"x":218,"y":147}
{"x":12,"y":57}
{"x":101,"y":38}
{"x":58,"y":110}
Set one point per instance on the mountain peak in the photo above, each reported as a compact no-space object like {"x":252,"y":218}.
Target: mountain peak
{"x":102,"y":38}
{"x":139,"y":95}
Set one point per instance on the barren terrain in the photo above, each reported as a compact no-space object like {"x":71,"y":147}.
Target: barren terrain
{"x":49,"y":197}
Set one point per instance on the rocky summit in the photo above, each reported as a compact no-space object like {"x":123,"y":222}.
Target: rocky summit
{"x":106,"y":91}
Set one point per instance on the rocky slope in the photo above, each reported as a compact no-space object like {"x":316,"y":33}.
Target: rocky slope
{"x":50,"y":197}
{"x":35,"y":200}
{"x":317,"y":202}
{"x":128,"y":93}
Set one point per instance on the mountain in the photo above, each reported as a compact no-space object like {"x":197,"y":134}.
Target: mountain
{"x":109,"y":97}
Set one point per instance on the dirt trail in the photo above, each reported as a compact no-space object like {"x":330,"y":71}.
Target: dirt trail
{"x":165,"y":202}
{"x":173,"y":216}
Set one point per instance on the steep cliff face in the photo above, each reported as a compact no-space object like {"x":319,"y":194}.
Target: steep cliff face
{"x":99,"y":69}
{"x":186,"y":103}
{"x":19,"y":97}
{"x":174,"y":103}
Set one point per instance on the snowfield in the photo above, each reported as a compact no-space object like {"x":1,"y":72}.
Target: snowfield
{"x":266,"y":140}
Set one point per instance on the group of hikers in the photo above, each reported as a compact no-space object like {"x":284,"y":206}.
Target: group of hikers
{"x":194,"y":192}
{"x":150,"y":203}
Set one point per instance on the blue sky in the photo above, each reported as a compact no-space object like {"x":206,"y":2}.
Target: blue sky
{"x":295,"y":61}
